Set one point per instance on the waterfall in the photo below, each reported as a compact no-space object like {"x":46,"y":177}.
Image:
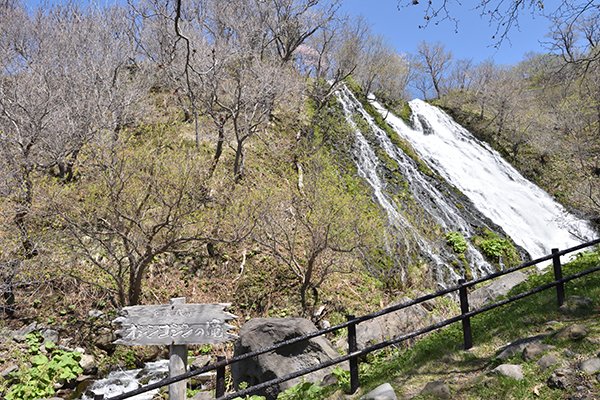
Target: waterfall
{"x":525,"y":212}
{"x":440,"y":207}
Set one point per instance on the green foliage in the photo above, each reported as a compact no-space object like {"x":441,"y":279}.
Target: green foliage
{"x":343,"y":378}
{"x":303,"y":391}
{"x":457,"y":241}
{"x":493,"y":247}
{"x":46,"y":370}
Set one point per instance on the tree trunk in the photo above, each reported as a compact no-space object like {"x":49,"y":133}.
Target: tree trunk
{"x":238,"y":165}
{"x":218,"y":150}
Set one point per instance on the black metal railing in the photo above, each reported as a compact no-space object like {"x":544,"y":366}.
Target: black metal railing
{"x":354,"y":354}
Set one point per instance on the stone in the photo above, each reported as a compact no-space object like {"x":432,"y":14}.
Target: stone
{"x":381,"y":392}
{"x":19,"y":335}
{"x":548,"y":360}
{"x":509,"y":370}
{"x":518,"y":346}
{"x":260,"y":333}
{"x":389,"y":325}
{"x":104,"y":340}
{"x":577,"y":305}
{"x":95,"y":314}
{"x":569,"y":353}
{"x":498,"y":287}
{"x":560,"y":379}
{"x":437,"y":389}
{"x":8,"y":370}
{"x":572,"y":332}
{"x":590,"y":366}
{"x":88,"y":364}
{"x":50,"y":335}
{"x":203,"y":396}
{"x":534,"y":350}
{"x":200,"y":361}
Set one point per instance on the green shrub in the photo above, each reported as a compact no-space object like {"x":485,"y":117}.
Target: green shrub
{"x":303,"y":391}
{"x":457,"y":241}
{"x":495,"y":247}
{"x":46,"y":370}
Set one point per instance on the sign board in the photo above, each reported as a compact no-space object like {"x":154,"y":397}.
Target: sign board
{"x":174,"y":324}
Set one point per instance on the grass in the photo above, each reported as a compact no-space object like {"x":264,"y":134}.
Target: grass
{"x":439,"y":356}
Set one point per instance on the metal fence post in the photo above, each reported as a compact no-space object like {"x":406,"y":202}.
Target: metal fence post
{"x":352,"y":347}
{"x":464,"y":308}
{"x":220,"y":386}
{"x":560,"y":288}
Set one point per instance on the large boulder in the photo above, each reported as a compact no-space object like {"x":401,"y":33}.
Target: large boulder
{"x":260,"y":333}
{"x":498,"y":287}
{"x":390,"y":325}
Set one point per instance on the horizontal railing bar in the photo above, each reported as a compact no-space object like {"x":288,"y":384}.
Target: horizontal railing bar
{"x":531,"y":263}
{"x":531,"y":292}
{"x":402,"y":338}
{"x":219,"y":364}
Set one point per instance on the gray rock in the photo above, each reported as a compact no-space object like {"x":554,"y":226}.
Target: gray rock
{"x":203,"y":396}
{"x":510,"y":370}
{"x":572,"y":332}
{"x":437,"y":389}
{"x":95,"y":313}
{"x":548,"y":360}
{"x":560,"y":379}
{"x":389,"y":326}
{"x":50,"y":335}
{"x":200,"y":361}
{"x":518,"y":346}
{"x":381,"y":392}
{"x":19,"y":335}
{"x":88,"y":364}
{"x":8,"y":370}
{"x":577,"y":305}
{"x":259,"y":333}
{"x":104,"y":340}
{"x":498,"y":287}
{"x":569,"y":353}
{"x":590,"y":366}
{"x":534,"y":350}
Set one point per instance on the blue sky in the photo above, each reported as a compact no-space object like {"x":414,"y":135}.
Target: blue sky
{"x":472,"y":41}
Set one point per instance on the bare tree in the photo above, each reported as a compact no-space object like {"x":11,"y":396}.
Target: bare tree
{"x":55,"y":98}
{"x":316,"y":232}
{"x":136,"y":202}
{"x":434,"y":63}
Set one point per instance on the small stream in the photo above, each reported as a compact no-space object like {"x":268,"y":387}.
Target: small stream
{"x":119,"y":382}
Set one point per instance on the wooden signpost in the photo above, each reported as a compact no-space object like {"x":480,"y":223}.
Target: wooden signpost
{"x":176,"y":324}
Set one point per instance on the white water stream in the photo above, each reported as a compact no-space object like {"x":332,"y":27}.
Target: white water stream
{"x":526,"y":213}
{"x":119,"y":382}
{"x":442,"y":210}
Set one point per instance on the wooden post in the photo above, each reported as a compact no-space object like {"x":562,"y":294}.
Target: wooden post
{"x":177,"y":364}
{"x":560,"y":288}
{"x":352,"y":347}
{"x":220,"y":387}
{"x":464,"y":308}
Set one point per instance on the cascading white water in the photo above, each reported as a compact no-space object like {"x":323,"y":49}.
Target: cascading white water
{"x":526,"y":213}
{"x":119,"y":382}
{"x":442,"y":210}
